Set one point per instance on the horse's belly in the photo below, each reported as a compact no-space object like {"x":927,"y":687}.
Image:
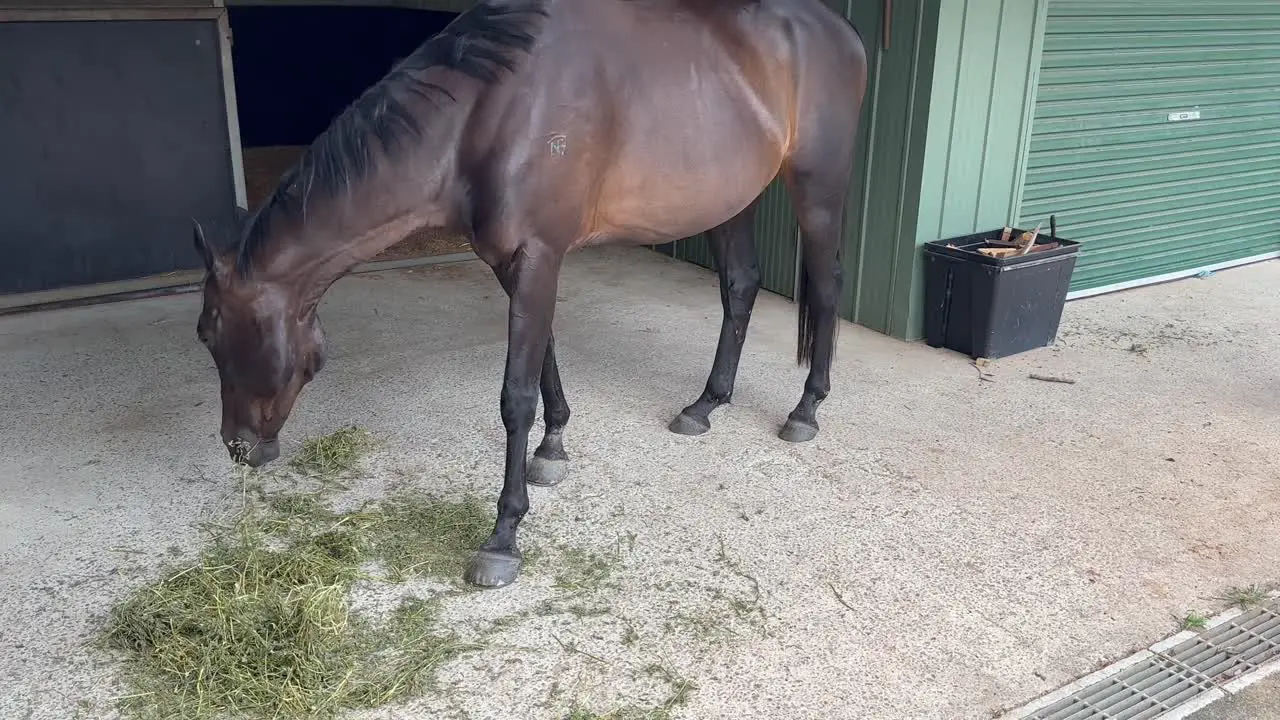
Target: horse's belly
{"x":685,"y":182}
{"x":688,"y":121}
{"x":663,"y":216}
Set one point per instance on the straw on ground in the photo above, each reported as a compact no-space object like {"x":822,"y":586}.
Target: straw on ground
{"x":262,"y":625}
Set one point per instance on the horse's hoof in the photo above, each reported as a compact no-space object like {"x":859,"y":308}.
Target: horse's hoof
{"x":686,"y":424}
{"x":493,"y":569}
{"x":798,"y":431}
{"x":545,"y":472}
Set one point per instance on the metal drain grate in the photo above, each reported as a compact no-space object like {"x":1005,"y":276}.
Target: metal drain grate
{"x":1171,"y":677}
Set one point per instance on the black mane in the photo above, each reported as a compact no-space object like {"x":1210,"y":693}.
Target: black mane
{"x":480,"y":43}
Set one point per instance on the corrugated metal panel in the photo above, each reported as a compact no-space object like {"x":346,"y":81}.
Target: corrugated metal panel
{"x":776,"y":228}
{"x":1147,"y":192}
{"x":892,"y":195}
{"x":695,"y":250}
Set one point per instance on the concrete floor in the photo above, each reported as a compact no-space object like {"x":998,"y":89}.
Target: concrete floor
{"x":1260,"y":701}
{"x":993,"y":539}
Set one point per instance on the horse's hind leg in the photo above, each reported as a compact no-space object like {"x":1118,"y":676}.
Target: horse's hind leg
{"x":550,"y":463}
{"x":733,"y":248}
{"x":817,"y":177}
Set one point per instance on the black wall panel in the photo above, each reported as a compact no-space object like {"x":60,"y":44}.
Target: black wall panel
{"x":112,"y":136}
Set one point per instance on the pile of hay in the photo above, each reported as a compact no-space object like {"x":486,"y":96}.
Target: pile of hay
{"x":329,"y":456}
{"x":262,"y":624}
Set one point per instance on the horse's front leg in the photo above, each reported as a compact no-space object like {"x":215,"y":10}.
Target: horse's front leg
{"x":530,"y":278}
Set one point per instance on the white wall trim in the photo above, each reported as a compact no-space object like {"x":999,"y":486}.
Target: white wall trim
{"x":1168,"y":277}
{"x":454,"y":6}
{"x":225,"y":39}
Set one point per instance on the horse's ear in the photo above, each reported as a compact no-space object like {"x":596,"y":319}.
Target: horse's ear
{"x":213,"y":264}
{"x":202,"y":245}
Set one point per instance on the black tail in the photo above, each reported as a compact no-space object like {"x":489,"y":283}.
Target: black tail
{"x":807,"y":320}
{"x":806,"y":329}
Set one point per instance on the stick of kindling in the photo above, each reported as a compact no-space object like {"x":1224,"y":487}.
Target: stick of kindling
{"x":1030,"y":242}
{"x":1052,"y":379}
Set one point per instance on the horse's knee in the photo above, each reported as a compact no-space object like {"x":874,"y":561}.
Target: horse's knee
{"x":519,"y":405}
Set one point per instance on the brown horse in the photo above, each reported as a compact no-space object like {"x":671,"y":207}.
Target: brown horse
{"x":537,"y":127}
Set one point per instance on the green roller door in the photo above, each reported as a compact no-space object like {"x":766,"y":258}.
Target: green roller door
{"x":1156,"y":136}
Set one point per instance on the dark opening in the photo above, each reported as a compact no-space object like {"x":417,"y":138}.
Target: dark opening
{"x":298,"y":66}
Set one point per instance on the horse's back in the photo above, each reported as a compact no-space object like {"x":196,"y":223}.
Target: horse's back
{"x":662,"y":118}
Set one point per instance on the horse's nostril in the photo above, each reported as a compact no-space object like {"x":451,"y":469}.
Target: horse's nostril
{"x":239,"y":449}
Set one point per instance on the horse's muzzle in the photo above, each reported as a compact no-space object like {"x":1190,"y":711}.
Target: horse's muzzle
{"x":254,"y":453}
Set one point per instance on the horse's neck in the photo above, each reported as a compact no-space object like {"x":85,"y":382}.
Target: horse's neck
{"x":416,"y":188}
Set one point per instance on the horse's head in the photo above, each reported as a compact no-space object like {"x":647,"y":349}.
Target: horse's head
{"x":266,"y":346}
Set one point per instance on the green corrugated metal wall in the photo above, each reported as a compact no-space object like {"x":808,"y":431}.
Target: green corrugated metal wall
{"x":1149,"y":194}
{"x":776,"y":229}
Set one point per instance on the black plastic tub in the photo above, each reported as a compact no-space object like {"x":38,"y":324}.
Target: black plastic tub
{"x":995,"y":307}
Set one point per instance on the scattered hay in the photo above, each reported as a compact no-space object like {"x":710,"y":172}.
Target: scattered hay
{"x":725,"y":614}
{"x":333,"y":454}
{"x":583,"y":571}
{"x":269,"y":620}
{"x":262,"y":623}
{"x":681,"y":690}
{"x":417,"y":536}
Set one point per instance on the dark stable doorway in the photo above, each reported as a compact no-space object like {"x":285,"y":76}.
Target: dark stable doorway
{"x":298,"y":66}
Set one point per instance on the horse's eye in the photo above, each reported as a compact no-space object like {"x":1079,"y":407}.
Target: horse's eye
{"x":313,"y":366}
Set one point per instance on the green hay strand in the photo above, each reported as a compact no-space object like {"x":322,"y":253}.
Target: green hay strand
{"x":421,"y":536}
{"x":261,"y":626}
{"x":333,"y":454}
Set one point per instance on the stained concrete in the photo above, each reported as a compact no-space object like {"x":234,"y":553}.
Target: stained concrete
{"x":1260,"y":701}
{"x":954,"y":543}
